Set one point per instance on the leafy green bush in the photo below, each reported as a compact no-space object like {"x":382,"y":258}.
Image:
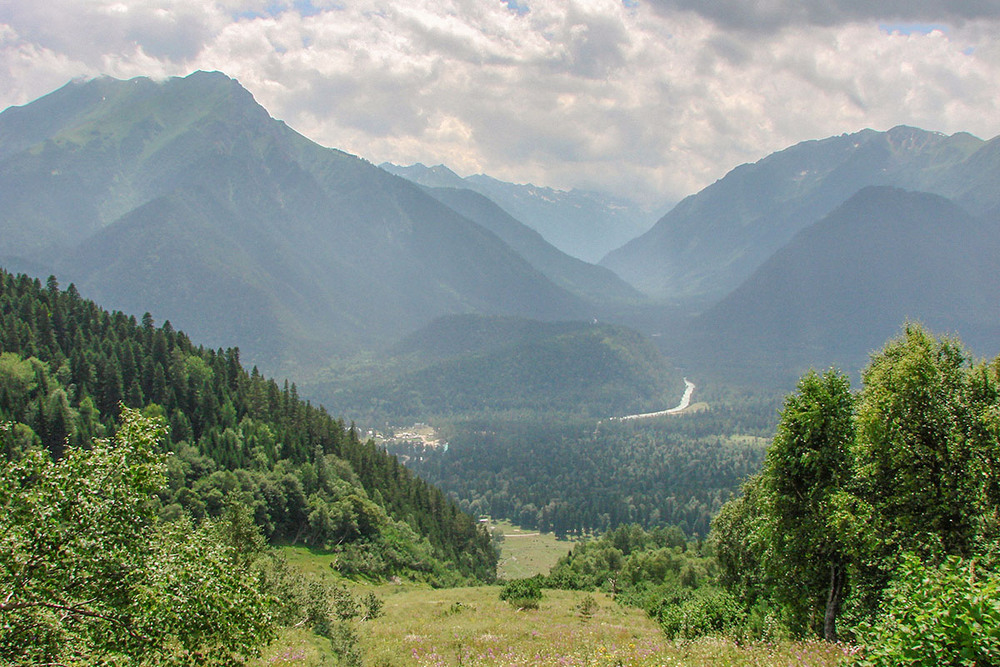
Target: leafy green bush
{"x":943,"y":615}
{"x":89,"y":576}
{"x":522,"y":593}
{"x":707,"y":611}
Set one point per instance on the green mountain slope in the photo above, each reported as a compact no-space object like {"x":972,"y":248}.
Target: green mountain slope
{"x":66,"y":367}
{"x":318,"y":251}
{"x":713,"y":240}
{"x":469,"y":364}
{"x":845,"y":284}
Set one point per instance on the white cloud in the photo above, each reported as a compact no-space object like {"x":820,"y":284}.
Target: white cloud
{"x":655,"y":100}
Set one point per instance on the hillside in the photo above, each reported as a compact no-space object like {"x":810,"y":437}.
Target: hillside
{"x":714,"y":240}
{"x":590,"y":282}
{"x":235,"y":437}
{"x":187,"y":199}
{"x":844,"y":284}
{"x":470,"y":364}
{"x":582,"y":224}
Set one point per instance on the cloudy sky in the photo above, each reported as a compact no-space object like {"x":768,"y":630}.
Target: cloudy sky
{"x":652,"y":99}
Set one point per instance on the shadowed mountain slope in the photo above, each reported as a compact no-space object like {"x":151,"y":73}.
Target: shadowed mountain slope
{"x":713,"y":240}
{"x":846,"y":284}
{"x":588,"y":281}
{"x":186,"y":198}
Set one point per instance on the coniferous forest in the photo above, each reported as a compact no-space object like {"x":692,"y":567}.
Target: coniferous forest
{"x":67,"y":368}
{"x":572,"y":477}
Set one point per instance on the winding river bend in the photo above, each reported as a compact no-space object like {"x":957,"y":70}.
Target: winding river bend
{"x":683,"y":405}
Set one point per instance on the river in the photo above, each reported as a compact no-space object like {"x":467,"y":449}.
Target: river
{"x":683,"y":405}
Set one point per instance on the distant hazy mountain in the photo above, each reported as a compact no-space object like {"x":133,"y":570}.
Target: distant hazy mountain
{"x":847,"y":283}
{"x":583,"y":224}
{"x":186,"y":199}
{"x":465,"y":364}
{"x":713,"y":240}
{"x":588,"y":281}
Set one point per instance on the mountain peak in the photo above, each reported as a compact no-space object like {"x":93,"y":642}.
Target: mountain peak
{"x":713,"y":240}
{"x":914,"y":140}
{"x":84,"y":109}
{"x":184,"y":197}
{"x":442,"y":170}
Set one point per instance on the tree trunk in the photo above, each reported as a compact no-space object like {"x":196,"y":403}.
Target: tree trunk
{"x":833,"y":600}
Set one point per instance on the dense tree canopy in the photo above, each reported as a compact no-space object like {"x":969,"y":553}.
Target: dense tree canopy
{"x":66,"y":366}
{"x":862,"y":494}
{"x":574,"y":476}
{"x":807,"y":466}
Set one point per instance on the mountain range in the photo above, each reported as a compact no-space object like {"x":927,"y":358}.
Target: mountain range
{"x":712,"y":241}
{"x":583,"y":224}
{"x":185,"y":198}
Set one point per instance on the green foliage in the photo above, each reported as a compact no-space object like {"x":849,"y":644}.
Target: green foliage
{"x":739,"y":538}
{"x":371,"y":606}
{"x":853,"y":483}
{"x":807,"y":465}
{"x":522,"y":593}
{"x":947,"y":614}
{"x":628,"y":557}
{"x":88,"y":574}
{"x":673,"y":580}
{"x":588,"y":605}
{"x":926,"y":452}
{"x":707,"y":611}
{"x":234,"y":437}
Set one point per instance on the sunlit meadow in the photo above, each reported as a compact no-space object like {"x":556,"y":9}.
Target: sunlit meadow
{"x":471,"y":626}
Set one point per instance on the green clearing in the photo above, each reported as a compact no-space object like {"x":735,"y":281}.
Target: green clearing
{"x":310,"y":562}
{"x":471,"y":626}
{"x":423,"y":626}
{"x":525,"y":553}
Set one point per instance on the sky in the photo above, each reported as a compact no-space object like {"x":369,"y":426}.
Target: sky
{"x":647,"y":99}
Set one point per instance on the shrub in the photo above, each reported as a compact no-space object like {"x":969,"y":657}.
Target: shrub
{"x":522,"y":593}
{"x":936,"y":615}
{"x":708,"y":611}
{"x":587,"y":607}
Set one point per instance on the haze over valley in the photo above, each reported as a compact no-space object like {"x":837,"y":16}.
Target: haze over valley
{"x":309,"y":311}
{"x":144,"y":194}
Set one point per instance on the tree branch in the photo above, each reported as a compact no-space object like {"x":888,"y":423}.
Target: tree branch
{"x":76,"y":611}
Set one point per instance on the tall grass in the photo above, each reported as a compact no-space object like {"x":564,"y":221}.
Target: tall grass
{"x":471,"y":626}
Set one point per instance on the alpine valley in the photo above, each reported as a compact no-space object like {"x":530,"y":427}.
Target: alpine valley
{"x":449,"y":352}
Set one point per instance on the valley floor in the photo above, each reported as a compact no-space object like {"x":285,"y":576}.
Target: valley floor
{"x":525,"y":553}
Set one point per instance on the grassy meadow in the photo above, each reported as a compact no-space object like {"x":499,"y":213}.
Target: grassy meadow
{"x":425,"y":627}
{"x":471,"y":626}
{"x":525,"y":553}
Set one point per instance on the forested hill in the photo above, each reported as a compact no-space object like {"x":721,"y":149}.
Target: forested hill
{"x":66,"y":367}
